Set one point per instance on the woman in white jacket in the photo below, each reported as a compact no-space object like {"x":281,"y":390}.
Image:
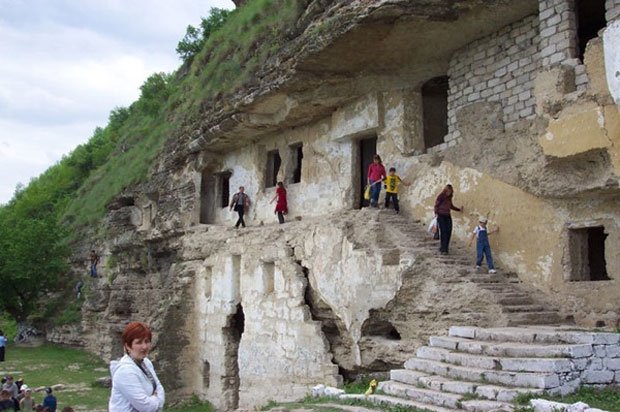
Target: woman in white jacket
{"x":135,"y":386}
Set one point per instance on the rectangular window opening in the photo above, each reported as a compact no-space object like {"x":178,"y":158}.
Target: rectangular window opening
{"x":268,"y":277}
{"x":590,"y":20}
{"x":587,"y":254}
{"x":435,"y":110}
{"x":297,"y":155}
{"x":224,"y":178}
{"x":273,"y":167}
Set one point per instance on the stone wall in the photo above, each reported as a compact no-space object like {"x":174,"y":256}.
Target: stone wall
{"x":499,"y":68}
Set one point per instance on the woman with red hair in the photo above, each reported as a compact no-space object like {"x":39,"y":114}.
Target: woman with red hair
{"x":135,"y":386}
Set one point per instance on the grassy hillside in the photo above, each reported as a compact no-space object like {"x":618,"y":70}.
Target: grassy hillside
{"x":71,"y":196}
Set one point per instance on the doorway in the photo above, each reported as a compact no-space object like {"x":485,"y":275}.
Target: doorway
{"x":366,"y":149}
{"x":587,"y":254}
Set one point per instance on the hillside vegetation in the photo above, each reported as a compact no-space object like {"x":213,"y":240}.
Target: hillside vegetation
{"x":43,"y":219}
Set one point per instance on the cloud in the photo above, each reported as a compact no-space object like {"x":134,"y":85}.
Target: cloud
{"x":66,"y":64}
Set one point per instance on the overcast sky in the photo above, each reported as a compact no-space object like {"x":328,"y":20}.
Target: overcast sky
{"x":64,"y":64}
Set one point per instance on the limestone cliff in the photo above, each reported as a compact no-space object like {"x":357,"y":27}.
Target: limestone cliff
{"x":338,"y":291}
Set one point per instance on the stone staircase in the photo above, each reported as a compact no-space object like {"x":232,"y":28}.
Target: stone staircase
{"x":481,"y":370}
{"x":520,"y":304}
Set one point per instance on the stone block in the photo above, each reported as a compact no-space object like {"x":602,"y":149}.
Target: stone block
{"x":599,"y":351}
{"x":564,"y":138}
{"x":612,"y":351}
{"x":612,"y":364}
{"x":459,"y":387}
{"x":602,"y":377}
{"x":463,"y":331}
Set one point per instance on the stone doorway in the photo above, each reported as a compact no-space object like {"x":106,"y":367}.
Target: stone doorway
{"x":435,"y":110}
{"x":232,"y":333}
{"x":587,"y":254}
{"x":365,"y":149}
{"x":207,"y":197}
{"x":590,"y":19}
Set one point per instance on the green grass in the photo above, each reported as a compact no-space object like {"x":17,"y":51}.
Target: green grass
{"x":50,"y":364}
{"x":76,"y":369}
{"x":607,"y":399}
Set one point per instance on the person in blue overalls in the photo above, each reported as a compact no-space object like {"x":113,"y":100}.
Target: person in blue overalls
{"x":483,"y":247}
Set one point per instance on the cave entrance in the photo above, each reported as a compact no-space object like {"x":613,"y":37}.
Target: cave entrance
{"x":590,"y":16}
{"x":587,"y":254}
{"x":435,"y":110}
{"x":232,"y":333}
{"x":364,"y":150}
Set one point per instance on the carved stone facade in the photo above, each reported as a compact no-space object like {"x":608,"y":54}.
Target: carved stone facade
{"x":529,"y":135}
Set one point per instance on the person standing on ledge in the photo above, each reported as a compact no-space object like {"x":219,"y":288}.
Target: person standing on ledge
{"x":281,"y":204}
{"x":443,"y":206}
{"x":376,"y":174}
{"x":94,"y":260}
{"x":240,"y":202}
{"x":135,"y":386}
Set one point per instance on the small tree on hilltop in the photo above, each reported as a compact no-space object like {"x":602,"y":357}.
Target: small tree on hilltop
{"x":195,"y":38}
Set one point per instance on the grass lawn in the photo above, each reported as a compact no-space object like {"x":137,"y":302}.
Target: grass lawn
{"x":76,"y":369}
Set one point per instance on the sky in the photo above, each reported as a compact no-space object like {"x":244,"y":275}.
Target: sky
{"x":65,"y":64}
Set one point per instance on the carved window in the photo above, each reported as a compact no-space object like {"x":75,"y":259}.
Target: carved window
{"x":297,"y":155}
{"x":273,"y":167}
{"x":586,"y":247}
{"x":224,"y":183}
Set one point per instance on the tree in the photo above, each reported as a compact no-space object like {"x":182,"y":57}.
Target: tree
{"x":195,"y":38}
{"x":32,"y":261}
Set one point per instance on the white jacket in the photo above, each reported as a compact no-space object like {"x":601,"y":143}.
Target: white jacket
{"x":132,"y":391}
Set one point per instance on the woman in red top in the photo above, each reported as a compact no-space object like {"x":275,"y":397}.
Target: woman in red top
{"x":281,"y":204}
{"x":376,"y":174}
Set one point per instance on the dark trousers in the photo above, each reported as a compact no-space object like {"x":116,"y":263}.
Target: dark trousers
{"x":240,"y":211}
{"x":280,"y":217}
{"x":445,"y":231}
{"x":391,"y":197}
{"x":1,"y":353}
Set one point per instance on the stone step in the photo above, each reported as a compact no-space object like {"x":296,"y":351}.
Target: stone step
{"x":438,"y":398}
{"x":511,"y":349}
{"x":541,"y":334}
{"x":542,"y":365}
{"x":440,"y":383}
{"x":519,"y":379}
{"x":534,"y":318}
{"x":426,"y":396}
{"x":523,"y":308}
{"x":392,"y":401}
{"x":525,"y":300}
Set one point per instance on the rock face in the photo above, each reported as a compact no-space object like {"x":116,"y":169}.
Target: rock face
{"x":490,"y":96}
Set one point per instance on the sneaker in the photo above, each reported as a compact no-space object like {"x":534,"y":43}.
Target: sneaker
{"x":491,"y":271}
{"x":477,"y":267}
